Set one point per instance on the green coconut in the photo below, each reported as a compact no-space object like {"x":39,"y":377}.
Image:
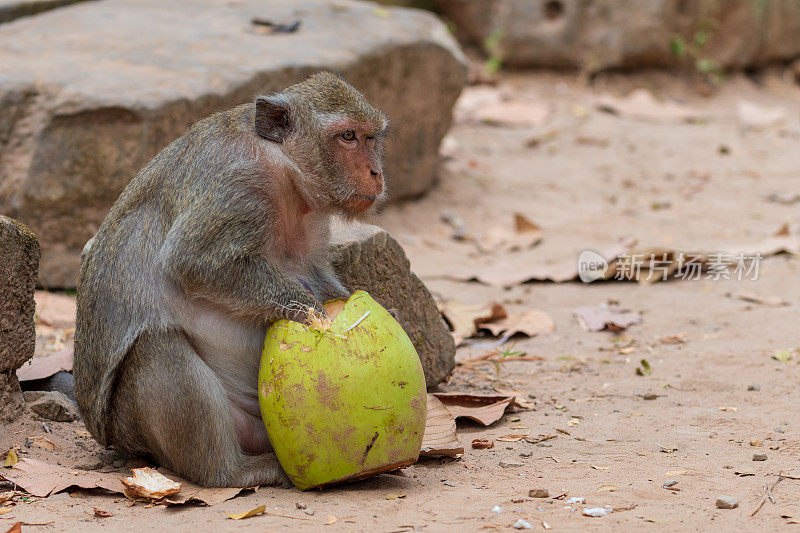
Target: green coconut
{"x":345,"y":399}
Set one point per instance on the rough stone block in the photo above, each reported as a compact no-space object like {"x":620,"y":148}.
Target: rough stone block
{"x":366,"y":257}
{"x":602,"y":34}
{"x":90,"y":92}
{"x":19,"y":260}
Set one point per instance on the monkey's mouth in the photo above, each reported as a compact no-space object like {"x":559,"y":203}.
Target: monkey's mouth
{"x":360,"y":203}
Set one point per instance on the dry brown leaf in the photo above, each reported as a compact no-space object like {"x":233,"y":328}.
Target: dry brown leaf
{"x":149,"y":484}
{"x":610,"y":317}
{"x":41,"y":442}
{"x":12,"y":458}
{"x":100,"y":513}
{"x":607,"y":488}
{"x":16,"y":528}
{"x":395,"y":496}
{"x":641,"y":104}
{"x":513,"y":113}
{"x":6,"y":510}
{"x":514,"y":437}
{"x":44,"y":367}
{"x":482,"y":444}
{"x":495,"y":312}
{"x":747,"y":296}
{"x":672,"y":339}
{"x":331,"y":520}
{"x":522,"y":224}
{"x":42,"y":479}
{"x":531,"y":323}
{"x":247,"y":514}
{"x":482,"y":408}
{"x":440,"y":432}
{"x":461,"y":317}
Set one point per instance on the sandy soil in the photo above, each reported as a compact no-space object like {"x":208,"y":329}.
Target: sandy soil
{"x":591,"y":179}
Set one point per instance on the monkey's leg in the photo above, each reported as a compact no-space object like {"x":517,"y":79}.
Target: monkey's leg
{"x":170,"y":405}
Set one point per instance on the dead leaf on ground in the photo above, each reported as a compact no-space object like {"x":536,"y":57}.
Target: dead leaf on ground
{"x":530,"y":323}
{"x":149,"y":484}
{"x":16,"y":528}
{"x":524,"y":235}
{"x":42,"y":479}
{"x":514,"y":437}
{"x":750,"y":297}
{"x":44,"y":367}
{"x":100,"y":513}
{"x":641,"y":104}
{"x":756,"y":116}
{"x":494,"y":356}
{"x":672,"y":339}
{"x":331,"y":520}
{"x":482,"y":408}
{"x":440,"y":432}
{"x":606,"y":317}
{"x":607,"y":488}
{"x":12,"y":458}
{"x":247,"y":514}
{"x":40,"y":442}
{"x":540,"y":438}
{"x":482,"y":444}
{"x":395,"y":496}
{"x":514,"y":113}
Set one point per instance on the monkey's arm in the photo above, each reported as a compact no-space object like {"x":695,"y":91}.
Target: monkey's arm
{"x":220,"y":259}
{"x":327,"y":286}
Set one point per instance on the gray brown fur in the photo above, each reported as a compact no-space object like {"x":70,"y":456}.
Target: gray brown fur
{"x":200,"y":252}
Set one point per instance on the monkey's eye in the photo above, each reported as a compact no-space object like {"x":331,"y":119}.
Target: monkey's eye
{"x":349,"y":135}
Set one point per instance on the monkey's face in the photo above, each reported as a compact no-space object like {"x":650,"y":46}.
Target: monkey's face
{"x":355,"y":159}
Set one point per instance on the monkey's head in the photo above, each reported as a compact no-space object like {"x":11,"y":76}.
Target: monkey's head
{"x":334,"y":137}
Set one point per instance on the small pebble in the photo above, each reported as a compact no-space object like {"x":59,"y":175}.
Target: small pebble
{"x":539,"y":493}
{"x":89,"y":463}
{"x":497,"y":509}
{"x":526,"y":454}
{"x":309,"y":512}
{"x":779,"y":430}
{"x":759,"y":457}
{"x":670,"y":483}
{"x":509,"y":464}
{"x":727,"y":502}
{"x":522,"y":524}
{"x":300,"y":505}
{"x":754,"y":387}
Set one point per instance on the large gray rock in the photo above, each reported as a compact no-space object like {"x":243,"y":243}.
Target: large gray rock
{"x":366,"y":257}
{"x":601,"y":34}
{"x":19,"y":259}
{"x":90,"y":92}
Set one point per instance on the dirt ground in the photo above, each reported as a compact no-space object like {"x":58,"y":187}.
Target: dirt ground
{"x":589,"y":179}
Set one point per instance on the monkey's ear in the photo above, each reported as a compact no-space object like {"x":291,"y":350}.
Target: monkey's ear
{"x":272,"y":117}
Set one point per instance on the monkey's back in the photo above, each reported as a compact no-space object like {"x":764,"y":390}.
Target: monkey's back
{"x":122,"y":288}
